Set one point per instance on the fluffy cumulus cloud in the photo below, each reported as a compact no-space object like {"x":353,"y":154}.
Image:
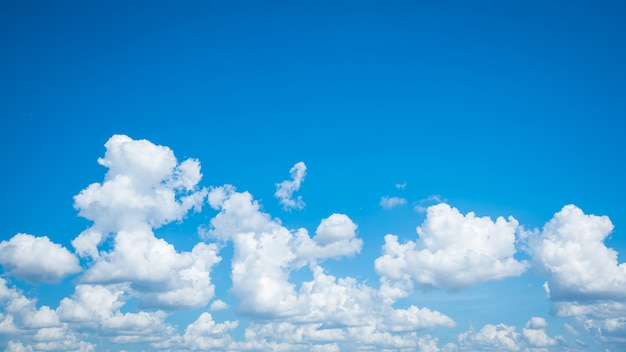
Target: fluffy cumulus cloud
{"x":37,"y":259}
{"x":145,"y":187}
{"x":571,"y":251}
{"x":390,"y":202}
{"x":585,"y":279}
{"x":285,"y":189}
{"x":454,"y":251}
{"x":534,"y":331}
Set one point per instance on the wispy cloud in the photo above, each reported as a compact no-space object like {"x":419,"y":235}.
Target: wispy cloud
{"x":423,"y":204}
{"x":285,"y":189}
{"x":390,"y":202}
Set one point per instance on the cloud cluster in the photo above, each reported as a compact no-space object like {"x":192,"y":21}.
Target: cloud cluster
{"x":28,"y":327}
{"x":266,"y":252}
{"x":132,"y":281}
{"x":502,"y":337}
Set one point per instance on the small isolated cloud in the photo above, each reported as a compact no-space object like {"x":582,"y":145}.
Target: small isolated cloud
{"x":401,"y":185}
{"x":285,"y":189}
{"x":218,"y":305}
{"x":390,"y":202}
{"x":37,"y":259}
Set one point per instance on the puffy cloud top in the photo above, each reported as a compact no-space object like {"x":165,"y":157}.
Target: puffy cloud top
{"x":337,"y":227}
{"x":571,"y":250}
{"x":454,"y":251}
{"x":37,"y":259}
{"x":144,"y":185}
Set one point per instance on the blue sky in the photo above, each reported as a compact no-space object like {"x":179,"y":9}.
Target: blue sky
{"x":224,"y":176}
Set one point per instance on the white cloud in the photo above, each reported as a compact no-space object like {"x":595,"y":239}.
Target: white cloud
{"x":91,"y":304}
{"x":17,"y":347}
{"x":97,"y":308}
{"x":534,"y":332}
{"x":286,"y":336}
{"x":602,"y":309}
{"x":570,"y":250}
{"x":453,"y":252}
{"x":490,"y":338}
{"x":503,"y":337}
{"x":134,"y":282}
{"x":538,"y":337}
{"x":609,"y":332}
{"x":143,"y":186}
{"x":37,"y":259}
{"x":390,"y":202}
{"x":265,"y":252}
{"x":218,"y":305}
{"x":206,"y":334}
{"x":36,"y":328}
{"x":335,"y":228}
{"x":536,"y":323}
{"x":401,"y":185}
{"x":260,"y":265}
{"x":414,"y":318}
{"x":345,"y":302}
{"x":335,"y":237}
{"x":585,"y":280}
{"x":161,"y":276}
{"x":423,"y":204}
{"x":285,"y":189}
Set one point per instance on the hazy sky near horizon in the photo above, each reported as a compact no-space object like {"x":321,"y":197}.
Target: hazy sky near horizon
{"x":430,"y":176}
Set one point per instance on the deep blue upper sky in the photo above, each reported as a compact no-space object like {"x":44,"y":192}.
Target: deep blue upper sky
{"x":520,"y":100}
